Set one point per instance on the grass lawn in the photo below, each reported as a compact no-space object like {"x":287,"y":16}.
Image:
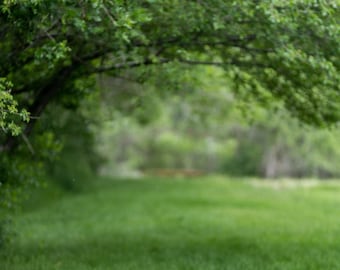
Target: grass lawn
{"x":181,"y":224}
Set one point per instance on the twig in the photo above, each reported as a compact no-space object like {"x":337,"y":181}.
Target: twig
{"x":29,"y":145}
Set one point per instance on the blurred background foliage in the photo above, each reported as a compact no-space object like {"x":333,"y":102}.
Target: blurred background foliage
{"x":176,"y":120}
{"x":202,"y":125}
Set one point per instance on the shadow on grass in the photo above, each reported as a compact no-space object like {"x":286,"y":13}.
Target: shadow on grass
{"x":148,"y":250}
{"x":142,"y":250}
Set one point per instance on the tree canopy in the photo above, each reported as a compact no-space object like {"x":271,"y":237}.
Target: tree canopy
{"x":287,"y":50}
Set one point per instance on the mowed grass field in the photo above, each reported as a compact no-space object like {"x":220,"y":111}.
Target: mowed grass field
{"x":211,"y":223}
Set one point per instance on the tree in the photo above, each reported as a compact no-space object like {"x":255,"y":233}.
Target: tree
{"x":51,"y":51}
{"x":272,"y":49}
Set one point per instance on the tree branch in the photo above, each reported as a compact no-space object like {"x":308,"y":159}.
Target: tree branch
{"x":47,"y":93}
{"x":221,"y":64}
{"x":128,"y":65}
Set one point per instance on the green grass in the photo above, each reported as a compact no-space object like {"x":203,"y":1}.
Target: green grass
{"x":194,"y":224}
